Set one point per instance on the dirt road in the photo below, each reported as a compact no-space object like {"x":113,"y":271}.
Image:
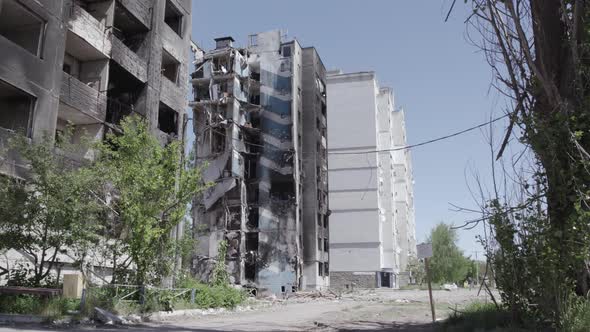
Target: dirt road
{"x":381,"y":310}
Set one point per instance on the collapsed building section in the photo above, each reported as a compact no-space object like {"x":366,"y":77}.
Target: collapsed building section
{"x":248,"y":126}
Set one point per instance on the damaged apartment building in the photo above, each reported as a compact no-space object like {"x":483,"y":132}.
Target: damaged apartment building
{"x":260,"y":124}
{"x":89,"y":63}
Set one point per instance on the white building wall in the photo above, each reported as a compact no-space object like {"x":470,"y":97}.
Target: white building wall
{"x":371,"y":196}
{"x":355,"y":228}
{"x":403,"y":192}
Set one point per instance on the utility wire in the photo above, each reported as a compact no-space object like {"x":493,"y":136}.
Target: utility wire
{"x":407,"y":147}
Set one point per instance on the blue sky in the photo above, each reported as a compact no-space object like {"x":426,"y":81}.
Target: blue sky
{"x":440,"y":79}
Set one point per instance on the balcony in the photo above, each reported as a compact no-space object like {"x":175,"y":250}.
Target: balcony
{"x":139,"y":11}
{"x":172,"y":94}
{"x":129,"y":60}
{"x":81,"y":102}
{"x":86,"y":38}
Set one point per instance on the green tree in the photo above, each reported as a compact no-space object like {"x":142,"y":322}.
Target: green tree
{"x":152,"y":186}
{"x":447,"y":263}
{"x":417,"y":270}
{"x":52,"y":211}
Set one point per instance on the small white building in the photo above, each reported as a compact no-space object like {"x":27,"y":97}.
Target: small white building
{"x":371,"y":197}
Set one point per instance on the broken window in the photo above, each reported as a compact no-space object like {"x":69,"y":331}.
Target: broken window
{"x":320,"y":243}
{"x":252,"y":241}
{"x":128,"y":29}
{"x":319,"y":220}
{"x":173,"y":18}
{"x":16,"y":109}
{"x":234,"y":217}
{"x":167,"y":119}
{"x":250,"y":271}
{"x":253,"y":40}
{"x":255,"y":99}
{"x":21,"y":26}
{"x":326,"y":245}
{"x":253,"y":218}
{"x":233,"y":244}
{"x":283,"y":190}
{"x":255,"y":120}
{"x":326,"y":269}
{"x":123,"y":91}
{"x":217,"y":141}
{"x":320,"y":268}
{"x":170,"y":67}
{"x":251,"y":166}
{"x":286,"y":51}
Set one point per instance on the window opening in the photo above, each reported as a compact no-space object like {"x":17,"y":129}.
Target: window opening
{"x":22,"y":27}
{"x":167,"y":119}
{"x":173,"y":18}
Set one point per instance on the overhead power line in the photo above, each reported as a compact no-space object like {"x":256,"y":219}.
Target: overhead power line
{"x":407,"y":147}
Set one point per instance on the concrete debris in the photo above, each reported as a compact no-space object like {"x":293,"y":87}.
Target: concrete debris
{"x":315,"y":295}
{"x":108,"y":318}
{"x":449,"y":287}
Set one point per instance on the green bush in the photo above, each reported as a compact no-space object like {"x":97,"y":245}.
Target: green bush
{"x":218,"y":297}
{"x":479,"y":316}
{"x":34,"y":305}
{"x":20,"y":304}
{"x":102,"y":297}
{"x":209,"y":296}
{"x":58,"y":307}
{"x":576,"y":318}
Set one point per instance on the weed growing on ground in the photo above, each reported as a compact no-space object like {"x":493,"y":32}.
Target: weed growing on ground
{"x":479,"y":316}
{"x":576,"y":317}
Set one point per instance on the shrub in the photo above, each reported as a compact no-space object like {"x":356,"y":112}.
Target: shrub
{"x":576,"y":317}
{"x":479,"y":316}
{"x":218,"y":296}
{"x":34,"y":305}
{"x":102,"y":297}
{"x":20,"y":304}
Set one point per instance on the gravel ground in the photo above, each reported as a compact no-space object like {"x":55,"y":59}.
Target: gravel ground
{"x":378,"y":310}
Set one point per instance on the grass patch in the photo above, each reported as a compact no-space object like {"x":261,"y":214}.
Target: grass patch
{"x":34,"y":305}
{"x":479,"y":316}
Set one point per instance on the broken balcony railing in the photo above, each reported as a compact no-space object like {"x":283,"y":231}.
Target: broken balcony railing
{"x":117,"y":110}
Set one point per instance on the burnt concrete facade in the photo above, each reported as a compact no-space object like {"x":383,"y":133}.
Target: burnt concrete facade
{"x":249,"y":124}
{"x":89,"y":63}
{"x":316,"y":257}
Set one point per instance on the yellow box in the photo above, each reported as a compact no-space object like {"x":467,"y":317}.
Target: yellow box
{"x":73,"y":285}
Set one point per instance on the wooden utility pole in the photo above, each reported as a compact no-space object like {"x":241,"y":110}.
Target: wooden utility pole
{"x":429,"y":289}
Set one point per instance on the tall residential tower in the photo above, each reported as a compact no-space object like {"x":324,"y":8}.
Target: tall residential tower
{"x":370,"y":192}
{"x":260,"y":131}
